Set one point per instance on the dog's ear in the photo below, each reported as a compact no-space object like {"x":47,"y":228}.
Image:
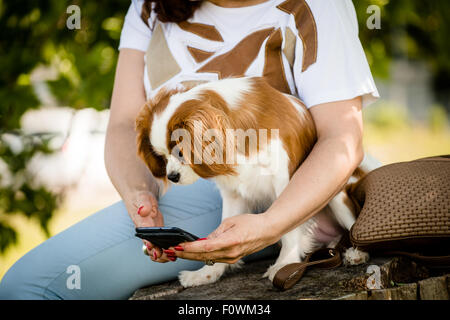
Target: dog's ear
{"x":206,"y":125}
{"x":155,"y":162}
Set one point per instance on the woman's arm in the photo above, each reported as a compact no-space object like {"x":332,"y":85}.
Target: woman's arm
{"x":127,"y":172}
{"x":129,"y":175}
{"x":333,"y":159}
{"x":326,"y":170}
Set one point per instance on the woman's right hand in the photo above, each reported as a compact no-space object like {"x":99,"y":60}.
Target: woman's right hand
{"x":144,"y":212}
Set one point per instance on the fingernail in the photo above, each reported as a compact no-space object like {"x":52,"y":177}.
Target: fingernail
{"x":168,"y":251}
{"x":149,"y":247}
{"x":179,"y":248}
{"x":139,"y":210}
{"x":154,"y":255}
{"x":172,"y":258}
{"x":202,"y":239}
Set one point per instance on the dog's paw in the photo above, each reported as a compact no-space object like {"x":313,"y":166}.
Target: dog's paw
{"x":272,"y":270}
{"x":205,"y":275}
{"x":353,"y":257}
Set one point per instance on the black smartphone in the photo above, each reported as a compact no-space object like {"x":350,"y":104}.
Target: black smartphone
{"x":164,"y":237}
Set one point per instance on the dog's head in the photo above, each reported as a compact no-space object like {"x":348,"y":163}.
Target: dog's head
{"x":181,"y":135}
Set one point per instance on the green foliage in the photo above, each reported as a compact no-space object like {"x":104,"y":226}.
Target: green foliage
{"x":410,"y":29}
{"x":18,"y":194}
{"x":34,"y":33}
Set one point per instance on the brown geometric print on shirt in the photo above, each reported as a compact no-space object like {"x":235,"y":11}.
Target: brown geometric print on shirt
{"x":236,"y":61}
{"x":273,"y":65}
{"x":202,"y":30}
{"x":306,"y":26}
{"x":198,"y":54}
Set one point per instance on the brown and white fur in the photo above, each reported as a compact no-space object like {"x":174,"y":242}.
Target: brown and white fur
{"x":239,"y":103}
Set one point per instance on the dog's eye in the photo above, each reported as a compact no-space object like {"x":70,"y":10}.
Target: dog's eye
{"x":180,"y":154}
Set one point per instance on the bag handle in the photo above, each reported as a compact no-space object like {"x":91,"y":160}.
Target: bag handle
{"x":289,"y":275}
{"x":327,"y":258}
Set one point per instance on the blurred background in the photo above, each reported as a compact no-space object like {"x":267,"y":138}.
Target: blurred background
{"x":55,"y":90}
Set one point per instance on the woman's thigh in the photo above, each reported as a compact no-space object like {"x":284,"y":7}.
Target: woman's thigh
{"x":100,"y":258}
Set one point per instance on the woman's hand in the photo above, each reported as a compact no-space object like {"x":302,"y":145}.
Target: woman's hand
{"x":235,"y":238}
{"x":144,"y":212}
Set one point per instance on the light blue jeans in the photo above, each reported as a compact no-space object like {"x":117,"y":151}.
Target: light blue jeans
{"x":100,"y":258}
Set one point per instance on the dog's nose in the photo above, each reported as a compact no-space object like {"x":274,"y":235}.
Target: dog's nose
{"x":173,"y":176}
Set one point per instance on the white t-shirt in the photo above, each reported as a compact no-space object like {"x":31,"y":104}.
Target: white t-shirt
{"x":308,"y":48}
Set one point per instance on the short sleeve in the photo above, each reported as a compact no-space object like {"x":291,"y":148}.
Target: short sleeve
{"x":341,"y":70}
{"x":135,"y":33}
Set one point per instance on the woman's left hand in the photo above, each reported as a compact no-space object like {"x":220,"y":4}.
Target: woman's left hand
{"x":235,"y":238}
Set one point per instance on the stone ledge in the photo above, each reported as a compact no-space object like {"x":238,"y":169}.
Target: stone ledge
{"x":436,"y":288}
{"x":400,"y":279}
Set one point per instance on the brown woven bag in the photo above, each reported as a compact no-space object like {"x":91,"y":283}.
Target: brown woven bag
{"x":404,"y":208}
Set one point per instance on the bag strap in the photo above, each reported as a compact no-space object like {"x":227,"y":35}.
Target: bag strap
{"x":290,"y":274}
{"x":428,"y":261}
{"x":324,"y":258}
{"x":327,"y":258}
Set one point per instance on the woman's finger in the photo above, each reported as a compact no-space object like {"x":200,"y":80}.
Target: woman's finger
{"x":225,"y":256}
{"x":210,"y":249}
{"x":153,"y":209}
{"x":158,"y":255}
{"x":215,"y":256}
{"x":147,"y":244}
{"x":225,"y":241}
{"x":147,"y":247}
{"x":154,"y":256}
{"x":144,"y":208}
{"x":146,"y":205}
{"x":223,"y":227}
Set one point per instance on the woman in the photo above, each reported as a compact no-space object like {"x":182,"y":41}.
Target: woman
{"x":307,"y":48}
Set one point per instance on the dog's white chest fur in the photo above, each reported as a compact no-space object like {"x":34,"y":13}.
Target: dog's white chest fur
{"x":259,"y":178}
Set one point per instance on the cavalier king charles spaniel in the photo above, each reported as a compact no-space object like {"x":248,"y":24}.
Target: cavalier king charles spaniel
{"x":248,"y":138}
